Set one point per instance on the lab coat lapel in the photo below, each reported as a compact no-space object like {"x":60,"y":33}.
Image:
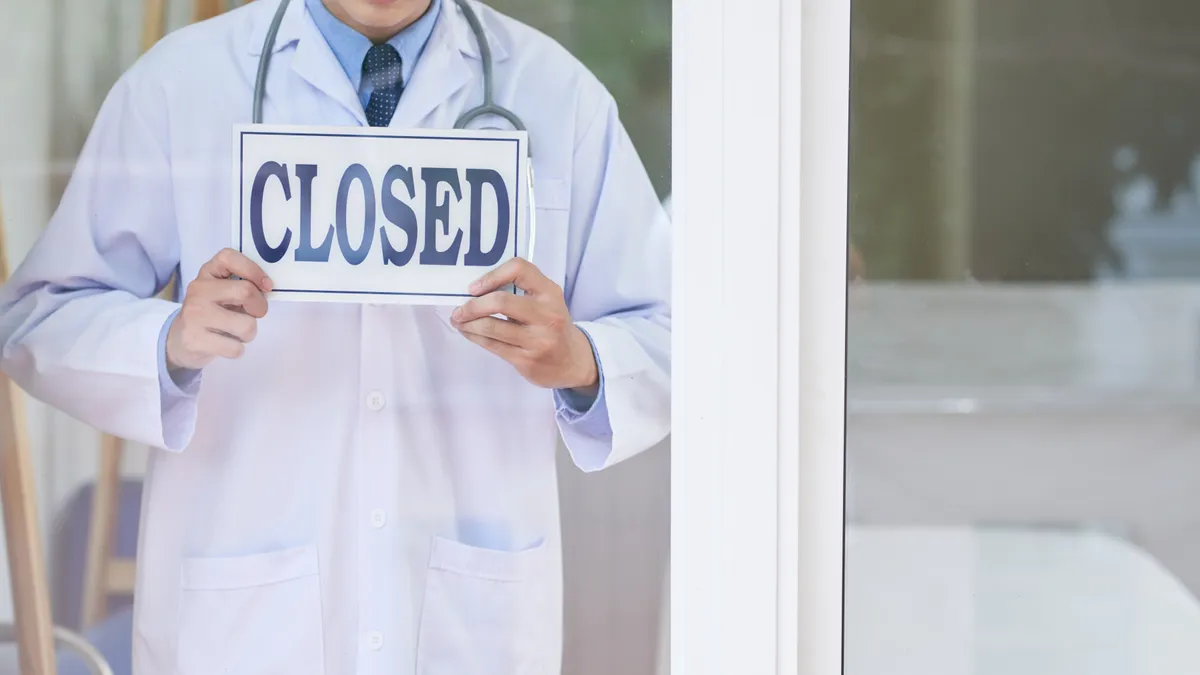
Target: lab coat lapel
{"x":449,"y":63}
{"x":312,"y":62}
{"x":442,"y":71}
{"x":315,"y":63}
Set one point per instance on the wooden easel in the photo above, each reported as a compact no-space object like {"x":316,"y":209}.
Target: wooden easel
{"x":206,"y":9}
{"x":106,"y":575}
{"x":33,"y":629}
{"x":22,"y":532}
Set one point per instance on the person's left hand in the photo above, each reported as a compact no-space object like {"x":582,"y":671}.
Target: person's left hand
{"x":539,"y":338}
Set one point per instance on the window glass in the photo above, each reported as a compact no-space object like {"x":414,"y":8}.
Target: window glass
{"x":427,"y":469}
{"x":1023,"y":337}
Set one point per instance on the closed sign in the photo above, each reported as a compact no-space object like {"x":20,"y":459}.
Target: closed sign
{"x":376,"y":215}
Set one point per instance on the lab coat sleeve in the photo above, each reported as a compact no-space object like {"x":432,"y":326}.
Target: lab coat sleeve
{"x":79,"y":326}
{"x":179,"y":385}
{"x":618,"y":289}
{"x":586,"y":414}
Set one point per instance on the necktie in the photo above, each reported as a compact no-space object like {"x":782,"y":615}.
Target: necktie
{"x":381,"y":68}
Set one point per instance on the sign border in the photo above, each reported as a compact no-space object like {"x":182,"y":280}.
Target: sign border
{"x":521,"y":140}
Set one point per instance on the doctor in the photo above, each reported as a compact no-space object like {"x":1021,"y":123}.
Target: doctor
{"x":347,"y":489}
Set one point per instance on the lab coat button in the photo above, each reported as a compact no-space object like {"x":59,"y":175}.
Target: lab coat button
{"x":375,"y":401}
{"x":378,"y":518}
{"x":375,"y":640}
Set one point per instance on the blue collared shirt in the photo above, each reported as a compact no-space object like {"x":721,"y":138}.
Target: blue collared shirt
{"x":350,"y":47}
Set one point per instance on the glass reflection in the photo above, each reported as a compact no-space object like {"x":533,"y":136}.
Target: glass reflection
{"x":63,"y":61}
{"x":1024,"y":353}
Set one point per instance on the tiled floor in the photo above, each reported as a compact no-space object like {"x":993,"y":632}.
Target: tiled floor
{"x":950,"y":601}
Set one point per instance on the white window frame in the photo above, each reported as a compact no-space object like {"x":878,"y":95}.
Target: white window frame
{"x":759,"y":335}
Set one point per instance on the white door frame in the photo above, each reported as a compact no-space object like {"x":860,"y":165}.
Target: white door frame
{"x":760,"y":150}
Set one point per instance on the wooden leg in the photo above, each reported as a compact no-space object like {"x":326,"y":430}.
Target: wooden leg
{"x":153,"y":25}
{"x":22,"y":532}
{"x":206,"y":9}
{"x":106,"y":498}
{"x":23,"y":538}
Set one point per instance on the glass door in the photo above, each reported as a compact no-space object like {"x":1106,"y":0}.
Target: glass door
{"x":1023,"y":338}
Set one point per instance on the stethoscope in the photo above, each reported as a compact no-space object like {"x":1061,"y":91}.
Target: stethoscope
{"x":488,"y":107}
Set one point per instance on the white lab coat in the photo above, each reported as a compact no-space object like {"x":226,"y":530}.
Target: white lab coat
{"x":364,"y":491}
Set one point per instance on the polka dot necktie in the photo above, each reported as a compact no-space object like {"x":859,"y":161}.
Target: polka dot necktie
{"x":381,"y":69}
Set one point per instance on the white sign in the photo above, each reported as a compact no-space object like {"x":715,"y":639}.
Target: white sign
{"x":379,"y":215}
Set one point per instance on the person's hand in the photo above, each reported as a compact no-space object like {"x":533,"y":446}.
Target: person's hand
{"x":220,"y":314}
{"x":538,"y":338}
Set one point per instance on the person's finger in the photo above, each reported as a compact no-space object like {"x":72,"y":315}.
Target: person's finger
{"x":235,"y":293}
{"x":516,"y":307}
{"x":230,"y":263}
{"x":500,"y":330}
{"x":237,"y":325}
{"x":504,"y":350}
{"x":216,"y":344}
{"x":524,"y":274}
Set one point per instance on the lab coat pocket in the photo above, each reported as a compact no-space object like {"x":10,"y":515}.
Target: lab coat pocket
{"x":486,"y":612}
{"x":251,"y":615}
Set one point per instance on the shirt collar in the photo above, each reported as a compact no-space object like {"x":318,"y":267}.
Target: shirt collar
{"x":350,"y":47}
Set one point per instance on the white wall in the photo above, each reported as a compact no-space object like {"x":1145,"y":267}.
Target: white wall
{"x":616,"y":539}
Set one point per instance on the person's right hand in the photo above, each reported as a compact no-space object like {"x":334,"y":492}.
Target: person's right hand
{"x":220,"y":314}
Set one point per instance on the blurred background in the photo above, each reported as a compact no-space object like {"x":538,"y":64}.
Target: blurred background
{"x":58,"y":59}
{"x":1024,"y":352}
